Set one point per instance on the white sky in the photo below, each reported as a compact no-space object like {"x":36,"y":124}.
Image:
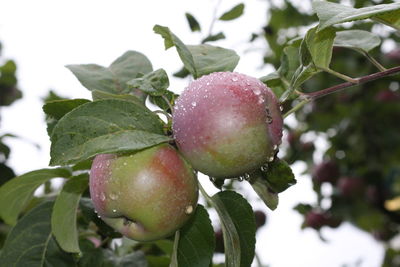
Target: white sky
{"x":44,"y":36}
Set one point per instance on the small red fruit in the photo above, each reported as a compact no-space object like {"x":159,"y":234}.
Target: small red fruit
{"x":326,"y":171}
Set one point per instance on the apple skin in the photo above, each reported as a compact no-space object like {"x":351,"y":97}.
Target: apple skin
{"x":145,"y":196}
{"x":227,"y":124}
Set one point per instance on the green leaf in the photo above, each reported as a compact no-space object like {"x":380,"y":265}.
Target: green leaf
{"x":302,"y":74}
{"x":99,"y":95}
{"x":56,"y":109}
{"x":279,"y":176}
{"x":30,"y":242}
{"x":154,"y":83}
{"x":209,"y":59}
{"x":234,"y":13}
{"x":193,"y":23}
{"x":170,"y":40}
{"x":214,"y":37}
{"x":261,"y":187}
{"x":238,"y":227}
{"x":362,"y":41}
{"x":274,"y":81}
{"x":63,"y":218}
{"x":197,"y":241}
{"x":320,"y":45}
{"x":104,"y":126}
{"x":113,"y":78}
{"x":160,"y":101}
{"x":332,"y":13}
{"x":6,"y":173}
{"x":16,"y":194}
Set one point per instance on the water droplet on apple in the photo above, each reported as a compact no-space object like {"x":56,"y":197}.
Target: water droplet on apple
{"x":194,"y":104}
{"x":235,"y":79}
{"x":114,"y":210}
{"x":102,"y":197}
{"x":271,"y":159}
{"x":113,"y":196}
{"x":264,"y":168}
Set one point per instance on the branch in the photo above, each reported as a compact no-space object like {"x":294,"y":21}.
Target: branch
{"x":361,"y":80}
{"x":307,"y":97}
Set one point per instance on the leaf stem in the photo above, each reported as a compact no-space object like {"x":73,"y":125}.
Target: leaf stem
{"x":361,"y":80}
{"x":174,"y":256}
{"x":374,"y":61}
{"x":297,"y":107}
{"x":339,"y":75}
{"x":214,"y":18}
{"x":168,"y":103}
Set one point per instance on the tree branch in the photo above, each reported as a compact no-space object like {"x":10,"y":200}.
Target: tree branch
{"x":361,"y":80}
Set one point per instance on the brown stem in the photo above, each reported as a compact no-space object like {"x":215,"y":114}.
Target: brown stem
{"x":361,"y":80}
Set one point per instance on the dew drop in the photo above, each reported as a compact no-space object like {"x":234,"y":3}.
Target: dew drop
{"x":281,"y":108}
{"x":125,"y":163}
{"x":189,"y":209}
{"x":257,"y":91}
{"x":213,"y":179}
{"x":269,"y":119}
{"x":194,"y":104}
{"x":102,"y":197}
{"x":247,"y":176}
{"x":235,"y":79}
{"x":98,"y":216}
{"x":271,"y":159}
{"x":275,"y":147}
{"x":264,"y":168}
{"x":114,"y":210}
{"x":241,"y":178}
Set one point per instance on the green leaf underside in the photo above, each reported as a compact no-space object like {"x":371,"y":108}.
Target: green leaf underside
{"x":197,"y":241}
{"x":30,"y":242}
{"x":234,"y":13}
{"x":357,"y":39}
{"x":154,"y":83}
{"x":193,"y":23}
{"x":63,"y":218}
{"x":320,"y":45}
{"x":238,"y":226}
{"x":113,"y":78}
{"x":104,"y":126}
{"x":209,"y":59}
{"x":170,"y":40}
{"x":15,"y":194}
{"x":214,"y":37}
{"x":270,"y":199}
{"x":200,"y":59}
{"x":332,"y":13}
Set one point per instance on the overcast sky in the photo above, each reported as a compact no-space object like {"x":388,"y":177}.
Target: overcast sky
{"x":44,"y":36}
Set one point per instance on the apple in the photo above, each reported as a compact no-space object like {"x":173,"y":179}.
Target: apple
{"x":145,"y":196}
{"x":326,"y":171}
{"x":349,"y":186}
{"x":227,"y":124}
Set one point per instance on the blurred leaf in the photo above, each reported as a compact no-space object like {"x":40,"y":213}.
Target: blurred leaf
{"x":209,"y":59}
{"x":56,"y":109}
{"x":30,"y":242}
{"x":193,"y":23}
{"x":104,"y":126}
{"x":197,"y":241}
{"x":154,"y":83}
{"x":214,"y":37}
{"x":274,"y":81}
{"x":331,"y":13}
{"x":113,"y":78}
{"x":357,"y":39}
{"x":238,"y":227}
{"x":320,"y":45}
{"x":63,"y":218}
{"x":158,"y":261}
{"x":170,"y":40}
{"x":6,"y":173}
{"x":16,"y":193}
{"x":4,"y":150}
{"x":302,"y":75}
{"x":234,"y":13}
{"x":8,"y":83}
{"x":303,"y":208}
{"x":390,"y":18}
